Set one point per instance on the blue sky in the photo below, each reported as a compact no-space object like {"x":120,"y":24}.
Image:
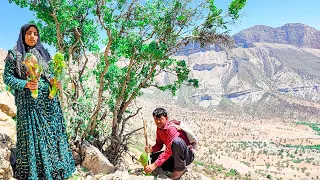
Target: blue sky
{"x":274,"y":13}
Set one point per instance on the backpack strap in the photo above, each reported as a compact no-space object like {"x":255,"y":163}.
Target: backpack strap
{"x":179,"y":125}
{"x":175,"y":123}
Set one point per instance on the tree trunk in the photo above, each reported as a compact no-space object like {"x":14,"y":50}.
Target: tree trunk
{"x":113,"y":152}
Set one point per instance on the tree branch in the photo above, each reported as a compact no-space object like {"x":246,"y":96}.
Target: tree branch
{"x":123,"y":87}
{"x":126,"y":119}
{"x":85,"y":62}
{"x":59,"y":38}
{"x":99,"y":15}
{"x":93,"y":119}
{"x":133,"y":95}
{"x":127,"y":135}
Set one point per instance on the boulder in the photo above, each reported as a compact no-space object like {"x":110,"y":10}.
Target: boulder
{"x":4,"y":116}
{"x":94,"y":160}
{"x":8,"y":127}
{"x":7,"y":104}
{"x":5,"y":168}
{"x":2,"y":85}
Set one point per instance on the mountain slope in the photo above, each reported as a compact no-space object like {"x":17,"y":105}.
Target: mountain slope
{"x":266,"y":80}
{"x":296,"y":34}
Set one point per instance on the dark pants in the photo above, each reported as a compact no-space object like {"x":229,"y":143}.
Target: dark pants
{"x":181,"y":156}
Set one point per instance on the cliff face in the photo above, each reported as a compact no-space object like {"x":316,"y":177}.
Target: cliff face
{"x":299,"y":35}
{"x":267,"y":80}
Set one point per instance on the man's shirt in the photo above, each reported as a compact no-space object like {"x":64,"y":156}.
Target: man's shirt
{"x":166,"y":136}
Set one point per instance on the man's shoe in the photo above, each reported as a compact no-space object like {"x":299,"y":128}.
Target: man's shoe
{"x":177,"y":174}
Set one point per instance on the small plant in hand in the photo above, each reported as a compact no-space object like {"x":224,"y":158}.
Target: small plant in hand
{"x":144,"y":160}
{"x":58,"y":67}
{"x":34,"y":71}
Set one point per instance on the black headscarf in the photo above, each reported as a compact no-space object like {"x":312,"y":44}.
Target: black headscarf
{"x":22,"y":47}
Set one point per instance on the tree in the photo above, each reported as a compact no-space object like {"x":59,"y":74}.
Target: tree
{"x":144,"y":36}
{"x":147,"y":36}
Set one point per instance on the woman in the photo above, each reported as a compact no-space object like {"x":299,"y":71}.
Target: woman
{"x":42,"y":147}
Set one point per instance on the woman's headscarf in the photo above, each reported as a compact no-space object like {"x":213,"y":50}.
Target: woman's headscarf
{"x":22,"y":46}
{"x":20,"y":50}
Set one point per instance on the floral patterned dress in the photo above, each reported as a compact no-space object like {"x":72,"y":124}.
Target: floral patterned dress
{"x":43,"y":150}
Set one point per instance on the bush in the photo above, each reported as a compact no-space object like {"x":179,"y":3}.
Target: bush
{"x":269,"y":176}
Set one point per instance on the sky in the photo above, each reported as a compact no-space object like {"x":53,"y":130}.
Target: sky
{"x":274,"y":13}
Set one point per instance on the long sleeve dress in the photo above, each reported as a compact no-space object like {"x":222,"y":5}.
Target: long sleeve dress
{"x":43,"y":150}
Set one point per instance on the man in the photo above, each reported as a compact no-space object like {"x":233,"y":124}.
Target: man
{"x":178,"y":153}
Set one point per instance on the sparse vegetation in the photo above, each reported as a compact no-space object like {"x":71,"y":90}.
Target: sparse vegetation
{"x":196,"y":162}
{"x":314,"y":126}
{"x":269,"y":176}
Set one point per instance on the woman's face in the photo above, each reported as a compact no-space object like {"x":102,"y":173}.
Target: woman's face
{"x":31,"y":36}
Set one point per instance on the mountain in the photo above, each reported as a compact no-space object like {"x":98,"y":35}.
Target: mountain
{"x":266,"y":80}
{"x":296,"y":34}
{"x":272,"y":72}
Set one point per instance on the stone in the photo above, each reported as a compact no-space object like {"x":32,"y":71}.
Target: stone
{"x":94,"y":160}
{"x":5,"y":168}
{"x":8,"y":127}
{"x":7,"y":104}
{"x":4,"y":116}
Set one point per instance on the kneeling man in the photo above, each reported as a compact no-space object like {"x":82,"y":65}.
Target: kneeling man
{"x":178,"y":152}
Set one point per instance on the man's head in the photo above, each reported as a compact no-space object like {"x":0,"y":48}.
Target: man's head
{"x":160,"y":117}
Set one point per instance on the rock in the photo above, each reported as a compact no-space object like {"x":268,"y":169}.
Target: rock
{"x":8,"y":130}
{"x":5,"y":168}
{"x":123,"y":175}
{"x":76,"y":152}
{"x":8,"y":127}
{"x":191,"y":175}
{"x":1,"y":174}
{"x":94,"y":160}
{"x":76,"y":157}
{"x":3,"y":54}
{"x":7,"y":104}
{"x":90,"y":177}
{"x":4,"y":116}
{"x":2,"y":85}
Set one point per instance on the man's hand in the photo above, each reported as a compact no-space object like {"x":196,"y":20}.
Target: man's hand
{"x":150,"y":168}
{"x":148,"y":149}
{"x":57,"y":83}
{"x":32,"y":85}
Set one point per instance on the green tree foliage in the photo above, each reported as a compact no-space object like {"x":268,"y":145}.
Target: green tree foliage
{"x":141,"y":40}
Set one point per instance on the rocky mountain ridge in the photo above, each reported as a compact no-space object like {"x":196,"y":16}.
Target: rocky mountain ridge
{"x":296,"y":34}
{"x":268,"y":79}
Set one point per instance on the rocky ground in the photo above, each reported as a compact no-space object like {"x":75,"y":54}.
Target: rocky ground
{"x":239,"y":145}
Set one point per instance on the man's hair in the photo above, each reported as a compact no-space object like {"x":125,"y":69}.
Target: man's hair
{"x":159,"y":112}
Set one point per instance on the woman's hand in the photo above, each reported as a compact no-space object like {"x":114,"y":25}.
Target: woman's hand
{"x":55,"y":82}
{"x":32,"y":85}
